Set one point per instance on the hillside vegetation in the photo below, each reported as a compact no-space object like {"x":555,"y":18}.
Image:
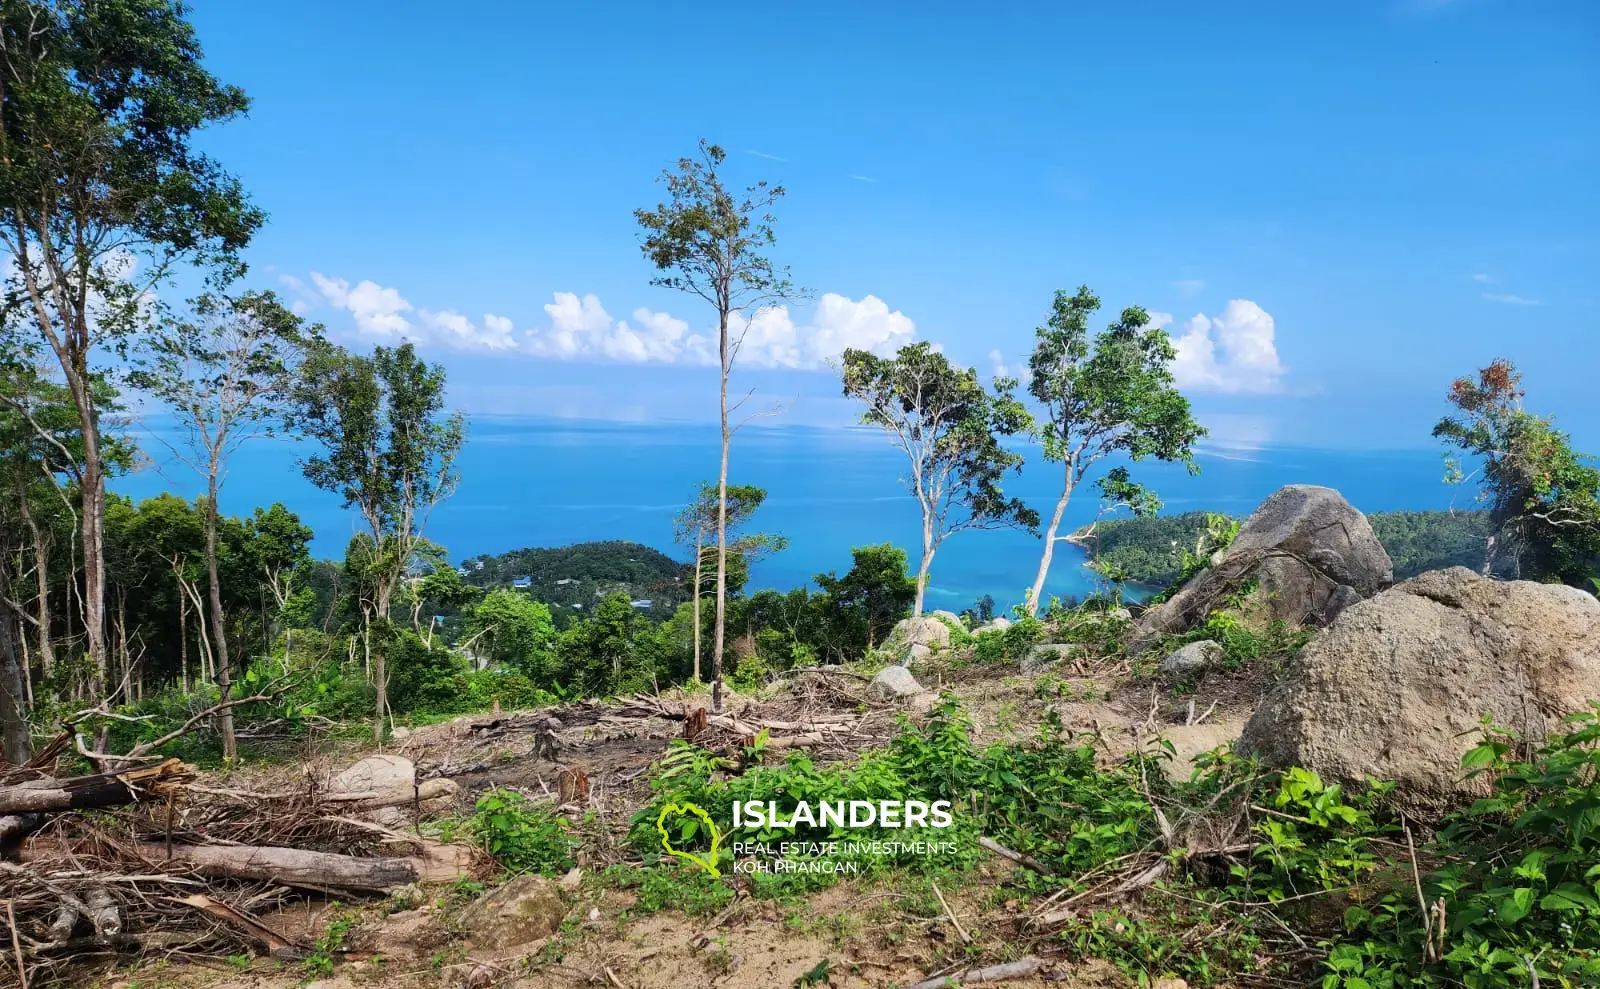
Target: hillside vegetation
{"x":573,"y":578}
{"x":1150,"y":550}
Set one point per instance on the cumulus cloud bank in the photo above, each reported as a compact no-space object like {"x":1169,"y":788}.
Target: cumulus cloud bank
{"x":579,"y":328}
{"x":1235,"y":352}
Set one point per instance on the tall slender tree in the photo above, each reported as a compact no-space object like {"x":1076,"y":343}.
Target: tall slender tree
{"x":102,"y":194}
{"x":699,"y":518}
{"x":711,"y":242}
{"x":949,"y":427}
{"x":226,"y":375}
{"x":389,"y":450}
{"x":1111,"y":395}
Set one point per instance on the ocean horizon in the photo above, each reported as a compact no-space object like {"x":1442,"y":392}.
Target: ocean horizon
{"x":530,"y":481}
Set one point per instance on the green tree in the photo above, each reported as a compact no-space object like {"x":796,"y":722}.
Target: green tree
{"x":600,"y":655}
{"x":226,"y":375}
{"x":508,"y":629}
{"x":1543,"y":498}
{"x":949,"y":427}
{"x":1113,"y":395}
{"x":280,"y":550}
{"x":873,"y":595}
{"x":102,"y":195}
{"x":389,"y":451}
{"x":700,"y":517}
{"x":710,"y":243}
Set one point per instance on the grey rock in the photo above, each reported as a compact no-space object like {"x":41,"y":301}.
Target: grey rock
{"x":527,"y":909}
{"x":376,"y":774}
{"x":893,"y":683}
{"x":925,"y":631}
{"x":1395,"y":688}
{"x":1192,"y":658}
{"x":1310,"y":552}
{"x":951,"y":617}
{"x":914,"y":654}
{"x":996,"y":625}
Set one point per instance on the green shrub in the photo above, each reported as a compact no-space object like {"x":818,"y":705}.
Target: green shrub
{"x":1009,"y":646}
{"x":520,"y":836}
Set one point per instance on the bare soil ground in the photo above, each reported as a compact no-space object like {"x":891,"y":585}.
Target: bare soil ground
{"x":871,"y":934}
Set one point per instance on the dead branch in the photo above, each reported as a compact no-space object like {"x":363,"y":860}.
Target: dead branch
{"x":994,"y":973}
{"x":1017,"y":857}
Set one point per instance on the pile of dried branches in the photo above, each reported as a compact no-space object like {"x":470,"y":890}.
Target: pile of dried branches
{"x":142,"y":859}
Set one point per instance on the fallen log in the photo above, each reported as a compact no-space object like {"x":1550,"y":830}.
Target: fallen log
{"x":994,"y":973}
{"x":297,"y":867}
{"x":84,"y":792}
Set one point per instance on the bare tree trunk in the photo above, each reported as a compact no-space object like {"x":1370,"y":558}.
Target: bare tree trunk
{"x":927,"y":561}
{"x":15,"y":745}
{"x":41,"y":581}
{"x":380,"y":671}
{"x":699,"y":543}
{"x":183,"y":641}
{"x":1050,"y":545}
{"x":219,"y":629}
{"x":720,"y":632}
{"x":93,"y":521}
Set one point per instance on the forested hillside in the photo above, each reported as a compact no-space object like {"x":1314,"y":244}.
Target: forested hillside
{"x":1150,"y":551}
{"x":571,"y":579}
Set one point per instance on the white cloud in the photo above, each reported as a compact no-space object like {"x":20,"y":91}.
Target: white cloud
{"x":376,"y":309}
{"x":1000,"y":369}
{"x":1482,"y":279}
{"x":460,"y":332}
{"x":581,"y":329}
{"x":1510,"y":300}
{"x":1235,"y":352}
{"x":1189,"y":286}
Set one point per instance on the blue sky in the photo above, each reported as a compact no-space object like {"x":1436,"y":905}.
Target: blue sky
{"x":1338,"y":207}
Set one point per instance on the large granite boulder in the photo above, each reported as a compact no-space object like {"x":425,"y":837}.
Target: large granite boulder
{"x":926,"y":631}
{"x":1396,"y":688}
{"x":1310,"y":552}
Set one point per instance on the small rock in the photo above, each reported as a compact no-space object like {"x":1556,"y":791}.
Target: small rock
{"x":1047,"y":654}
{"x":526,"y":909}
{"x":914,"y":655}
{"x":1172,"y":983}
{"x":893,"y":683}
{"x":922,"y":703}
{"x":594,"y":914}
{"x":572,"y":879}
{"x":1193,"y":658}
{"x":400,"y":734}
{"x":998,"y":625}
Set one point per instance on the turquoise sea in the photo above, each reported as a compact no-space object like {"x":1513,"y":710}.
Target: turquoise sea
{"x":548,"y":482}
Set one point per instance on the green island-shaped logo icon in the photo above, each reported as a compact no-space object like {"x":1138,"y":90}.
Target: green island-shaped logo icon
{"x":707,"y":862}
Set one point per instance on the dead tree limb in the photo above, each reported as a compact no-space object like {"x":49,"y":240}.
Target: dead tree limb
{"x":99,"y":790}
{"x":296,"y":867}
{"x":1020,"y":969}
